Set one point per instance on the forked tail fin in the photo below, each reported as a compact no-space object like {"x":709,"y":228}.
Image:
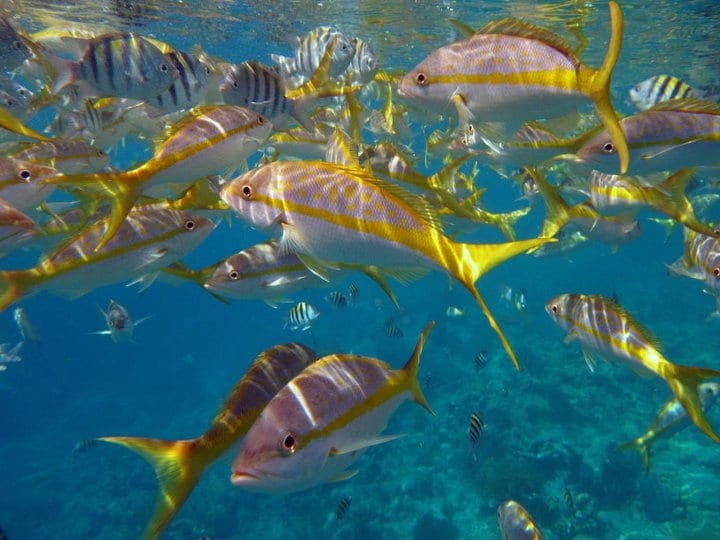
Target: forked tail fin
{"x":178,"y":467}
{"x":641,"y":445}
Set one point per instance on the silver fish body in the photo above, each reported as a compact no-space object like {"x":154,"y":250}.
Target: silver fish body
{"x":516,"y":523}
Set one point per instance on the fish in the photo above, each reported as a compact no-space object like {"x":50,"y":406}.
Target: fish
{"x":611,"y":193}
{"x":701,"y":259}
{"x":343,"y":507}
{"x":337,"y":299}
{"x":392,"y":330}
{"x":66,"y":156}
{"x":13,"y":47}
{"x":309,"y":51}
{"x":672,"y":135}
{"x":301,"y":316}
{"x":453,"y":312}
{"x":476,"y":428}
{"x":481,"y":360}
{"x":302,"y":439}
{"x":211,"y":139}
{"x":671,"y":419}
{"x":121,"y":64}
{"x":353,"y":292}
{"x":513,"y":72}
{"x":567,"y":495}
{"x":516,"y":523}
{"x":27,"y":329}
{"x":84,"y":445}
{"x":180,"y":464}
{"x":188,"y":89}
{"x":514,"y":298}
{"x":648,"y":93}
{"x":16,"y":98}
{"x":364,"y":221}
{"x":22,"y":183}
{"x":148,"y":240}
{"x":364,"y":63}
{"x":120,"y":325}
{"x":603,"y":326}
{"x":8,"y":355}
{"x":16,"y":228}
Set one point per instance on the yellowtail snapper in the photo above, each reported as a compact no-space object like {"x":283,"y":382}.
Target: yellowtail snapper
{"x":180,"y":464}
{"x":302,"y":439}
{"x":603,"y":326}
{"x":671,"y":419}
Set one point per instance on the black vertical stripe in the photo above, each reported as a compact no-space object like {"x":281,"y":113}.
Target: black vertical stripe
{"x":173,"y":94}
{"x":266,"y":92}
{"x":182,"y":77}
{"x":248,"y":74}
{"x":661,"y":91}
{"x":130,"y":43}
{"x":93,"y":61}
{"x":677,"y":87}
{"x":107,"y":44}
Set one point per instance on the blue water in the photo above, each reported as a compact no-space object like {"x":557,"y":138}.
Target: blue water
{"x":553,"y":425}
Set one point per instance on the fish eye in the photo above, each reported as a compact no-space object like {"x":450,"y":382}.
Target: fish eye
{"x":260,"y":120}
{"x":25,"y":175}
{"x":716,"y":272}
{"x":235,"y":84}
{"x":21,"y":91}
{"x":608,"y":148}
{"x":163,"y":67}
{"x":234,"y":275}
{"x":189,"y":225}
{"x":247,"y":192}
{"x":421,"y":79}
{"x":101,"y":153}
{"x":288,"y":444}
{"x":554,"y":308}
{"x":17,"y":44}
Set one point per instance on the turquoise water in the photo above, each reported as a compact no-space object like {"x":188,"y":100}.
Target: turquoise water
{"x":552,"y":426}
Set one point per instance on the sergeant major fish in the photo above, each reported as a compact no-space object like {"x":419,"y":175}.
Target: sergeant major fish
{"x":650,"y":92}
{"x":180,"y":464}
{"x":302,"y":439}
{"x":603,"y":326}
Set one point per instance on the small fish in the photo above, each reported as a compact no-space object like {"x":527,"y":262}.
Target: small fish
{"x":364,"y":63}
{"x":84,"y":445}
{"x":337,"y":299}
{"x":671,"y":419}
{"x":343,"y":507}
{"x":67,"y":156}
{"x":453,"y":311}
{"x":119,"y":323}
{"x":188,"y":89}
{"x":10,"y":355}
{"x":481,"y":359}
{"x":604,"y":327}
{"x":392,"y":330}
{"x":28,"y":331}
{"x":13,"y":48}
{"x":16,"y":98}
{"x":476,"y":428}
{"x":567,"y":495}
{"x":353,"y":292}
{"x":301,"y":439}
{"x":650,"y":92}
{"x":301,"y":316}
{"x":514,"y":298}
{"x":516,"y":523}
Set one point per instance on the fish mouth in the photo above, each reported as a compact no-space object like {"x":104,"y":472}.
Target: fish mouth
{"x":240,"y":478}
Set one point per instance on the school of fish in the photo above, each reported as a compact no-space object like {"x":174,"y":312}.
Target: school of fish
{"x":317,"y":152}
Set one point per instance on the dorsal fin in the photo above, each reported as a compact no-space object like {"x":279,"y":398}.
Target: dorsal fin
{"x":342,"y":150}
{"x":687,"y":105}
{"x":518,"y":28}
{"x":641,"y":329}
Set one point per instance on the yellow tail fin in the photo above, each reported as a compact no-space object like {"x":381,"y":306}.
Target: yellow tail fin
{"x":178,"y":467}
{"x":641,"y":445}
{"x":412,"y":367}
{"x":474,"y":260}
{"x":684,"y":382}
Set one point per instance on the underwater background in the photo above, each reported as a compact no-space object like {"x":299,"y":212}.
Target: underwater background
{"x":549,"y":430}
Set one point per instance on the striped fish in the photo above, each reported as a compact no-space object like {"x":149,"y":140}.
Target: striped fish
{"x":116,"y":64}
{"x":353,"y":292}
{"x":611,"y":193}
{"x":301,"y":316}
{"x":209,"y":140}
{"x":363,"y":65}
{"x":337,"y":299}
{"x":309,"y":51}
{"x":514,"y":72}
{"x":476,"y":428}
{"x":329,"y":212}
{"x":671,"y":419}
{"x":188,"y":89}
{"x":654,"y":90}
{"x":392,"y":330}
{"x":303,"y":439}
{"x":343,"y":507}
{"x":701,"y":259}
{"x":147,"y":240}
{"x":603,"y":326}
{"x":670,"y":136}
{"x":516,"y":523}
{"x":179,"y":465}
{"x":13,"y":49}
{"x":257,"y":87}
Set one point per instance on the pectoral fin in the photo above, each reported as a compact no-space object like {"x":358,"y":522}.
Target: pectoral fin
{"x":345,"y":475}
{"x":362,"y":444}
{"x":572,"y":334}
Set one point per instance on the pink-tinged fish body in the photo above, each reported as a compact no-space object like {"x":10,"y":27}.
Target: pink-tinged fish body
{"x":323,"y":420}
{"x":331,"y":214}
